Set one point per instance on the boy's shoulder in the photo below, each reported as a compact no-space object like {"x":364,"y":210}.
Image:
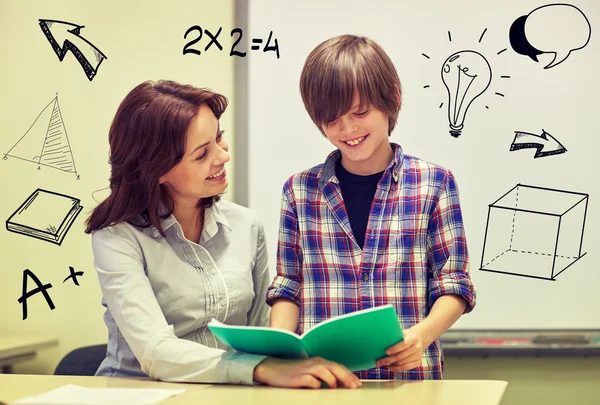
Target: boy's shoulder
{"x":306,"y":179}
{"x":411,"y":161}
{"x":427,"y":171}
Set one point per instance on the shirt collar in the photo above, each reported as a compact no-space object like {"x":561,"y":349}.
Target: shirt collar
{"x":212,"y":217}
{"x":327,"y":172}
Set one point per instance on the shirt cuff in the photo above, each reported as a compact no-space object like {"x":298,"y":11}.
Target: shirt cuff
{"x":240,"y":367}
{"x":283,"y":287}
{"x":463,"y":288}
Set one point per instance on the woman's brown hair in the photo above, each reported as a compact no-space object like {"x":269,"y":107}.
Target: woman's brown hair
{"x":147,"y":139}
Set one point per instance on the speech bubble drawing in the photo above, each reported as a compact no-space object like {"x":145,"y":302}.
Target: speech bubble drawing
{"x":553,"y":28}
{"x":519,"y":42}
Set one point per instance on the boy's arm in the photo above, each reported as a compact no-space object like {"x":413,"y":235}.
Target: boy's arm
{"x":284,"y":293}
{"x":445,"y":311}
{"x":451,"y":292}
{"x":284,"y":315}
{"x":448,"y":257}
{"x":408,"y":354}
{"x":259,"y":311}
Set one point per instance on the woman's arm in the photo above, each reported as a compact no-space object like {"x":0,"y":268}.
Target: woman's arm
{"x":133,"y":305}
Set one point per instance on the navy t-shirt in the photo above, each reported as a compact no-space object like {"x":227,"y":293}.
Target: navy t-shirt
{"x":358,"y":193}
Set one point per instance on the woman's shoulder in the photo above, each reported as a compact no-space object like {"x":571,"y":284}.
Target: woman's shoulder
{"x":237,"y":215}
{"x":122,"y":231}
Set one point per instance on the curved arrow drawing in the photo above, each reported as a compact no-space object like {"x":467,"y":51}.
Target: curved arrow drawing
{"x":88,"y":56}
{"x":545,"y":143}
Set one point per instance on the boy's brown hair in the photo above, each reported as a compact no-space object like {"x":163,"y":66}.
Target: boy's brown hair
{"x":339,"y":66}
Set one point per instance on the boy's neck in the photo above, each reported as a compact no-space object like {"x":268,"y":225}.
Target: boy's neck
{"x":376,"y":163}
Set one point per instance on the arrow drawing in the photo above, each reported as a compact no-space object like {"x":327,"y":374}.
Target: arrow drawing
{"x":88,"y":56}
{"x":545,"y":143}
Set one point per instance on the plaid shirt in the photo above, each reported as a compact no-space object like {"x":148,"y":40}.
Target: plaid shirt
{"x":415,"y":250}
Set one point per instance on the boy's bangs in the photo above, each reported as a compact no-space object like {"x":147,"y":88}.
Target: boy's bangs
{"x":334,"y":95}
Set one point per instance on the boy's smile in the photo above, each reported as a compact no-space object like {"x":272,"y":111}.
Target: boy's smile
{"x":361,"y":135}
{"x":356,"y":142}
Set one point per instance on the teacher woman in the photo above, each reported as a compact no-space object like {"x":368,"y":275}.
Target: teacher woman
{"x":170,"y":255}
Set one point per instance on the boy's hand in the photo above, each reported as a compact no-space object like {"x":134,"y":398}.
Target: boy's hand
{"x":309,"y":373}
{"x":404,"y":355}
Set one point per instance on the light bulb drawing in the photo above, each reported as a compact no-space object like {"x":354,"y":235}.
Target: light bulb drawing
{"x":466,"y":75}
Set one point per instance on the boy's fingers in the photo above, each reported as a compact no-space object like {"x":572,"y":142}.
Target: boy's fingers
{"x":398,"y":357}
{"x":402,"y":345}
{"x":408,"y":363}
{"x":414,"y":358}
{"x":405,"y":367}
{"x":397,"y":347}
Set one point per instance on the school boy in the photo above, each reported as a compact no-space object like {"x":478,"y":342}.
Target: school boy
{"x":371,"y":225}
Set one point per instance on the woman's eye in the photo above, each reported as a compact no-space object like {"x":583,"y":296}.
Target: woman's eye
{"x":202,"y":156}
{"x":362,"y":113}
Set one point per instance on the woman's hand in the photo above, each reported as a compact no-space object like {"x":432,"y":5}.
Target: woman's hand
{"x":406,"y":354}
{"x":309,"y":373}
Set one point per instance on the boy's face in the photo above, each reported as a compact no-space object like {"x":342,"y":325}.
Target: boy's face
{"x":362,"y":136}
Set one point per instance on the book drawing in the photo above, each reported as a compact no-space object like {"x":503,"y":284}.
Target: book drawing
{"x":45,"y":215}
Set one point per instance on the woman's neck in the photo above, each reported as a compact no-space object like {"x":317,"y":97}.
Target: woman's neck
{"x":191,"y":219}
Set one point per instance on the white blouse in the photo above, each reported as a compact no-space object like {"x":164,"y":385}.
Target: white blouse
{"x":161,"y":292}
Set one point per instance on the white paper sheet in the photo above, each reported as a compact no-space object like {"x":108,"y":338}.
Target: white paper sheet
{"x":76,"y":395}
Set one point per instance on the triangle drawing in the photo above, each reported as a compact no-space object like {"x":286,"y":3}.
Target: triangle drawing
{"x":46,"y":142}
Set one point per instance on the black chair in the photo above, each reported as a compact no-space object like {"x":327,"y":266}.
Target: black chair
{"x":81,"y":361}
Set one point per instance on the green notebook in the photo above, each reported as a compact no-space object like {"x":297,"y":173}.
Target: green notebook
{"x":356,"y":340}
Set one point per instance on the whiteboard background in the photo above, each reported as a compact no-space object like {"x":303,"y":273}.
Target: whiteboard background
{"x":562,"y":100}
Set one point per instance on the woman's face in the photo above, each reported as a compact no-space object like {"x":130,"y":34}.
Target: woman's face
{"x":201,"y":171}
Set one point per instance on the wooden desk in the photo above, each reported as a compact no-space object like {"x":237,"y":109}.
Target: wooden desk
{"x":448,"y":392}
{"x":19,"y":348}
